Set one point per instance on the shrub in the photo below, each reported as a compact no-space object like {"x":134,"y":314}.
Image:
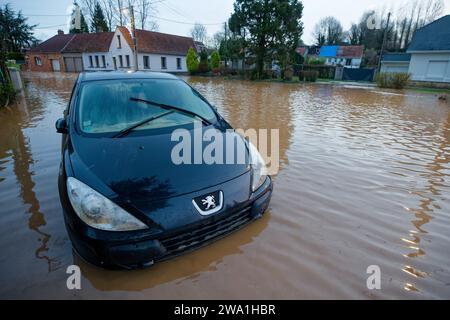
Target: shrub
{"x":393,"y":80}
{"x":192,"y":61}
{"x":215,"y":60}
{"x":309,"y":75}
{"x":7,"y":93}
{"x":400,"y":80}
{"x":203,"y":67}
{"x":315,"y":61}
{"x":288,"y":73}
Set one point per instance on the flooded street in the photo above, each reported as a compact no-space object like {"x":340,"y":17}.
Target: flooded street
{"x":364,"y":180}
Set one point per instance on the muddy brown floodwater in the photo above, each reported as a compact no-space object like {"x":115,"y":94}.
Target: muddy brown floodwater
{"x":364,"y":180}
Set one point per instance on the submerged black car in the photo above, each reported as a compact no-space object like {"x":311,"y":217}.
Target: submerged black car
{"x":126,"y":203}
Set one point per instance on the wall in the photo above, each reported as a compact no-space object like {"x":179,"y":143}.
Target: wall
{"x":124,"y":50}
{"x":108,"y":59}
{"x":430,"y":67}
{"x":155,"y":63}
{"x":334,"y":61}
{"x":46,"y":61}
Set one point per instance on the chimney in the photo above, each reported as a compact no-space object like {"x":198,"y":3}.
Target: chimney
{"x":60,"y":32}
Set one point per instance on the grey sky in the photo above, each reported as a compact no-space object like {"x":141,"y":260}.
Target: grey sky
{"x":209,"y":12}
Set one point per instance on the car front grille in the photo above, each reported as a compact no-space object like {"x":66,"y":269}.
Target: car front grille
{"x":197,"y":237}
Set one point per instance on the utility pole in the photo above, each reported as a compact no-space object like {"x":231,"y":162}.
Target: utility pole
{"x":119,"y":5}
{"x":384,"y":42}
{"x":133,"y":34}
{"x":226,"y":45}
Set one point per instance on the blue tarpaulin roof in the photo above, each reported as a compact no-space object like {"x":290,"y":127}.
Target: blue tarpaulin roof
{"x":328,"y":51}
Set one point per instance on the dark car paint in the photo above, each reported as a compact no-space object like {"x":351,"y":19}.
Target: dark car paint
{"x":136,"y":173}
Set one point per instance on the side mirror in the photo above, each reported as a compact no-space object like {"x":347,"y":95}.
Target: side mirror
{"x":61,"y":126}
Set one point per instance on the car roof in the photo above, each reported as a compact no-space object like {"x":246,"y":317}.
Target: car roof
{"x":120,"y":75}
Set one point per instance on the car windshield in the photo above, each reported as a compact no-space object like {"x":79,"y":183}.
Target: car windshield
{"x":113,"y":105}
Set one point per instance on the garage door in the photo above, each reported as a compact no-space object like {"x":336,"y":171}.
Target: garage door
{"x":73,"y":64}
{"x":437,"y":69}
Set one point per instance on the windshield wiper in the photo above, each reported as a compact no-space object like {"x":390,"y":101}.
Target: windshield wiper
{"x":173,"y":108}
{"x":125,"y":131}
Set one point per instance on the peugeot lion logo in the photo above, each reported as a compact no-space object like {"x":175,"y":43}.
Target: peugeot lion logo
{"x":208,"y":203}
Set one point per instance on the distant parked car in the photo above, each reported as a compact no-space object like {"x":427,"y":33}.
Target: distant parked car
{"x":126,"y":204}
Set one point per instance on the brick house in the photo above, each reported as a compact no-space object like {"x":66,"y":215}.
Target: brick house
{"x":47,"y":57}
{"x":106,"y":51}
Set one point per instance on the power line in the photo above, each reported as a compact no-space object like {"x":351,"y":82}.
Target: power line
{"x":51,"y":27}
{"x":46,"y":15}
{"x":184,"y":22}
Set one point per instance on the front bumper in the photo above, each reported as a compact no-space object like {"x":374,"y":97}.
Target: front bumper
{"x":141,"y":249}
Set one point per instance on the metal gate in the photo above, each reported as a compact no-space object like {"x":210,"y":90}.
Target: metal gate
{"x":73,"y":64}
{"x":358,"y":74}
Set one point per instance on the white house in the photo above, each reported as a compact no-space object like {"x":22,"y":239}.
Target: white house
{"x":430,"y":52}
{"x":89,"y":52}
{"x":121,"y":50}
{"x":156,"y":51}
{"x":395,"y":62}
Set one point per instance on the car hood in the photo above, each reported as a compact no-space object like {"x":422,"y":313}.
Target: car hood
{"x":140,"y":168}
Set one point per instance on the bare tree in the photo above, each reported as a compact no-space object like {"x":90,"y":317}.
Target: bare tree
{"x":110,"y":10}
{"x":199,"y":33}
{"x":329,"y":31}
{"x":147,"y":8}
{"x":88,"y":7}
{"x":120,"y":13}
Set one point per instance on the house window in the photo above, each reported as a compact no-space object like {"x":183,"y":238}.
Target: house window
{"x":119,"y":43}
{"x":104,"y":61}
{"x":127,"y":57}
{"x":97,"y":63}
{"x":146,"y":62}
{"x":120,"y":62}
{"x":38,"y":61}
{"x":163,"y":63}
{"x":91,"y":63}
{"x":179,"y":63}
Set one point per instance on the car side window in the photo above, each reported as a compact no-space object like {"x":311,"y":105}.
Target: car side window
{"x":71,"y":100}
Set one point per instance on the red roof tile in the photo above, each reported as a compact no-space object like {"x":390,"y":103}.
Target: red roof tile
{"x":156,"y":42}
{"x":350,"y":51}
{"x":126,"y":35}
{"x":54,"y":44}
{"x":89,"y":42}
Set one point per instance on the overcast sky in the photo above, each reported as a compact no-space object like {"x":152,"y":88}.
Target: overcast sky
{"x":53,"y":14}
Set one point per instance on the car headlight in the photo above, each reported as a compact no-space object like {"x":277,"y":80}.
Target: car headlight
{"x":259,"y":171}
{"x":98,"y":211}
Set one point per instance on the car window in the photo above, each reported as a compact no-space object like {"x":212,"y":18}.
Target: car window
{"x":105,"y":106}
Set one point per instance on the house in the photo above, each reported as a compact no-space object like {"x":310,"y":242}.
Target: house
{"x":156,"y":51}
{"x":112,"y":51}
{"x":88,"y":52}
{"x":121,"y":49}
{"x":47,"y":56}
{"x":395,"y":62}
{"x":162,"y":52}
{"x":347,"y":56}
{"x":430,"y":52}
